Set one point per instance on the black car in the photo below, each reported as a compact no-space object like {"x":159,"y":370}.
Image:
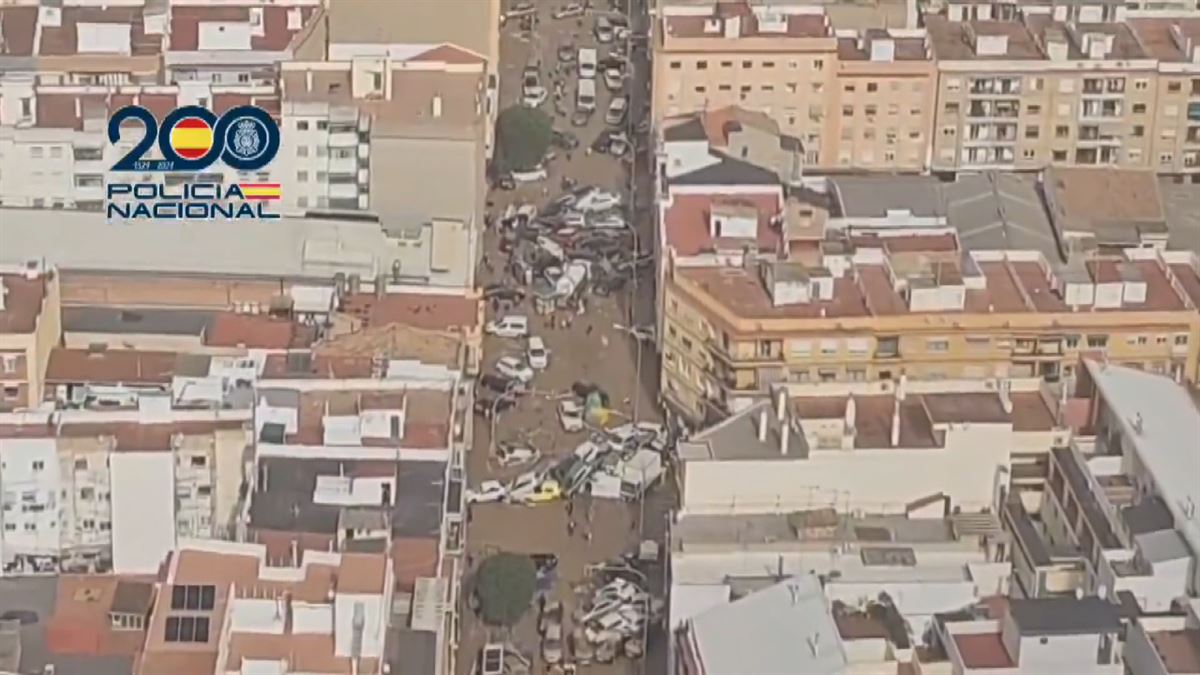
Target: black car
{"x":485,"y":406}
{"x":503,"y":292}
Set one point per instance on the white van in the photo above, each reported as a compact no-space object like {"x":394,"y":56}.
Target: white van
{"x":537,"y":354}
{"x":585,"y":96}
{"x":587,"y":63}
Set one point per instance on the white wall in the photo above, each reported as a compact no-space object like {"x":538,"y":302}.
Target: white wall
{"x":373,"y":629}
{"x":966,"y":471}
{"x":143,"y":508}
{"x":30,"y":481}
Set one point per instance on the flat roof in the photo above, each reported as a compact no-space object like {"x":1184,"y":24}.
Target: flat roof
{"x":275,"y":35}
{"x":1178,"y":649}
{"x":1064,"y":616}
{"x":872,"y":197}
{"x":1182,"y":204}
{"x":22,"y":302}
{"x":137,"y":320}
{"x":952,"y":40}
{"x":110,"y":366}
{"x":419,"y":310}
{"x":291,"y":248}
{"x":687,"y":227}
{"x":996,"y":211}
{"x":1115,"y":205}
{"x":412,"y":22}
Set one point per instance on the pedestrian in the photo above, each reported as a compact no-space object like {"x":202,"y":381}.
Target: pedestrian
{"x":589,"y":329}
{"x":570,"y":507}
{"x":570,"y":527}
{"x":588,"y":536}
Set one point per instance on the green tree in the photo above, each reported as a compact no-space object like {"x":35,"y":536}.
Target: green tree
{"x":504,"y":586}
{"x":522,"y":138}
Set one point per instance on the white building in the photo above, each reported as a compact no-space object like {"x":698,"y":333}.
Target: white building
{"x":843,"y":445}
{"x":98,"y":490}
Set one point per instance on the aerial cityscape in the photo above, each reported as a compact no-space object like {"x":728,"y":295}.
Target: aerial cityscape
{"x":599,"y":337}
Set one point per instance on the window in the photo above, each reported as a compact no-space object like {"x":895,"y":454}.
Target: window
{"x":1181,"y":340}
{"x":1139,"y":108}
{"x":191,"y":597}
{"x":675,"y":65}
{"x":36,"y":152}
{"x":702,"y":65}
{"x":870,"y":110}
{"x":768,"y":64}
{"x":1071,"y":341}
{"x":322,"y":176}
{"x":56,"y":152}
{"x":829,"y":347}
{"x":1141,"y":85}
{"x":800,"y":347}
{"x":38,"y":465}
{"x":872,"y":87}
{"x":937,"y":345}
{"x":26,"y":107}
{"x":302,"y":151}
{"x":701,"y":89}
{"x":1033,"y":109}
{"x":199,"y":461}
{"x":1059,"y":155}
{"x":818,"y":64}
{"x":1031,"y":131}
{"x":727,"y":64}
{"x":1174,"y":87}
{"x":87,"y":493}
{"x":847,"y":111}
{"x":1139,"y":131}
{"x":1062,"y":131}
{"x":81,"y":464}
{"x":301,"y":125}
{"x":186,"y":629}
{"x":849,"y":89}
{"x":747,"y":64}
{"x":1097,"y":341}
{"x":322,"y":125}
{"x":724,"y":87}
{"x":302,"y":176}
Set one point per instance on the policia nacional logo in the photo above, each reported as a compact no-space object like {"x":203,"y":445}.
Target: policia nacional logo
{"x":190,"y":140}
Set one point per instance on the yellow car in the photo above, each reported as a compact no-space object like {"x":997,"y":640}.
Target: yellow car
{"x":548,"y":491}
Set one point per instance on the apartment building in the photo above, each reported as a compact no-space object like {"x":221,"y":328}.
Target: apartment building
{"x":114,"y":490}
{"x":1175,"y":144}
{"x":232,"y":607}
{"x":855,"y":100}
{"x":1034,"y":91}
{"x":30,"y":327}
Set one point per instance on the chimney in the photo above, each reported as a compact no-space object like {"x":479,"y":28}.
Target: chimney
{"x":851,"y":414}
{"x":1006,"y":396}
{"x":762,"y":425}
{"x":437,"y":105}
{"x":785,"y":435}
{"x":896,"y":424}
{"x":902,"y":387}
{"x":781,"y":404}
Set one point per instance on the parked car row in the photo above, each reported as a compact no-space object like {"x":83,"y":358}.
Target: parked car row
{"x":531,"y":487}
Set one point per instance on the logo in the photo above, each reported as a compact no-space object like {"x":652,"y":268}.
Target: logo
{"x":190,"y":140}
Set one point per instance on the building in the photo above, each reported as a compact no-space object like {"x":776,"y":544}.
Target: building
{"x":856,"y":100}
{"x":989,"y":276}
{"x":227,"y":607}
{"x":1076,"y":635}
{"x":116,"y":489}
{"x":30,"y":327}
{"x":960,"y":444}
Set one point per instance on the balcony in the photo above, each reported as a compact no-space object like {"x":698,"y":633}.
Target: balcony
{"x":1005,"y":109}
{"x":343,"y":191}
{"x":343,"y":165}
{"x":364,"y":150}
{"x":995,"y":87}
{"x":343,"y":139}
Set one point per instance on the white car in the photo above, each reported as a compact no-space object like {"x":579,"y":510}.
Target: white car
{"x":515,"y":369}
{"x":568,"y":11}
{"x":537,"y":354}
{"x":533,"y":94}
{"x":512,"y":326}
{"x":534,"y":175}
{"x":587,"y":63}
{"x":610,"y":220}
{"x":604,"y":30}
{"x":524,"y":485}
{"x":572,"y":219}
{"x":489,"y":491}
{"x":595,"y":199}
{"x":616,"y":111}
{"x":516,"y":455}
{"x":614,"y":78}
{"x":570,"y":415}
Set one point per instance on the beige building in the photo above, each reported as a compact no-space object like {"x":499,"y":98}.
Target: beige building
{"x":1026,"y":93}
{"x":856,"y":101}
{"x":30,"y":328}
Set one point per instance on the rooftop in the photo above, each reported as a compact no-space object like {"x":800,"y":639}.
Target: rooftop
{"x":786,"y":628}
{"x":727,"y":171}
{"x":749,"y":25}
{"x":288,"y":501}
{"x":418,"y":310}
{"x":21,"y":304}
{"x":115,"y":366}
{"x":1166,"y":419}
{"x":1155,"y":35}
{"x":1182,"y":205}
{"x":871,"y":197}
{"x":1064,"y":616}
{"x":956,"y":41}
{"x":413,"y":22}
{"x":278,"y":25}
{"x":1178,"y":649}
{"x":1000,"y":212}
{"x":814,"y":528}
{"x":137,"y":320}
{"x":982,"y":650}
{"x":258,"y":331}
{"x":1114,"y":206}
{"x":688,"y":230}
{"x":905,"y":47}
{"x":417,"y":418}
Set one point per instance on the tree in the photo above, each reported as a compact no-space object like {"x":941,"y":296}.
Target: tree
{"x":522,"y":138}
{"x":504,"y":586}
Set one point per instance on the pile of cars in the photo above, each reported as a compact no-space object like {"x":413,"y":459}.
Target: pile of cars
{"x":513,"y":373}
{"x":622,"y":462}
{"x":531,"y":487}
{"x":614,"y":614}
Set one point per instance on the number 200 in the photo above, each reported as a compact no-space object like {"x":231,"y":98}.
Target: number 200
{"x":220,"y":127}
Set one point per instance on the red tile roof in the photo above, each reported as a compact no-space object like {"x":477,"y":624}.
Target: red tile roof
{"x":63,"y":40}
{"x":687,"y":226}
{"x":258,"y":331}
{"x":418,"y":310}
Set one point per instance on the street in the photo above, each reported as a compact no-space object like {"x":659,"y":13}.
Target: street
{"x":592,"y":347}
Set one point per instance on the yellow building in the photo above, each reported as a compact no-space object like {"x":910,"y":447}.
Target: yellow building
{"x":862,"y":102}
{"x":30,"y":327}
{"x":730,"y":332}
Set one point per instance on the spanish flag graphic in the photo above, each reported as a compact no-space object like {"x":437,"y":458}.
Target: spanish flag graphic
{"x":192,"y":138}
{"x":262,"y":191}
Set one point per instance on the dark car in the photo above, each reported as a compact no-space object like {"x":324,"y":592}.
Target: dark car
{"x":503,"y":292}
{"x":25,"y":617}
{"x":564,"y":139}
{"x":485,"y":406}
